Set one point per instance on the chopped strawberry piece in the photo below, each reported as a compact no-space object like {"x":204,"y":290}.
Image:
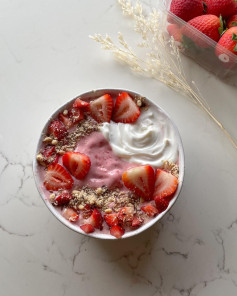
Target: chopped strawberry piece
{"x":87,"y":211}
{"x":125,"y":109}
{"x":137,"y":221}
{"x":78,"y":103}
{"x":48,"y":151}
{"x":57,"y":129}
{"x":117,"y":231}
{"x":150,"y":210}
{"x":96,"y":219}
{"x":87,"y":228}
{"x":161,"y":203}
{"x":165,"y":184}
{"x":65,"y":120}
{"x":125,"y":215}
{"x":141,"y":180}
{"x":70,"y":215}
{"x":76,"y":115}
{"x":101,"y":109}
{"x":77,"y":163}
{"x":111,"y":219}
{"x":62,"y":198}
{"x":57,"y":178}
{"x":55,"y":160}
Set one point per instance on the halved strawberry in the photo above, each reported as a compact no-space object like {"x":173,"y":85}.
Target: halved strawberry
{"x":125,"y":109}
{"x":141,"y":180}
{"x":65,"y":120}
{"x":125,"y":215}
{"x":78,"y":103}
{"x":117,"y":231}
{"x":77,"y":163}
{"x":48,"y":151}
{"x":161,"y":204}
{"x":96,"y":219}
{"x":76,"y":115}
{"x":111,"y":219}
{"x":57,"y":178}
{"x":150,"y":210}
{"x":101,"y":109}
{"x":137,"y":221}
{"x":87,"y":228}
{"x":57,"y":129}
{"x":62,"y":198}
{"x":165,"y":184}
{"x":70,"y":215}
{"x":87,"y":211}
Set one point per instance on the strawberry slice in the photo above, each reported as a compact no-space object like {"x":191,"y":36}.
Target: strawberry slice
{"x":87,"y":228}
{"x":57,"y":178}
{"x":141,"y":180}
{"x":70,"y":215}
{"x":161,"y":203}
{"x":76,"y":115}
{"x":125,"y":215}
{"x":96,"y":219}
{"x":57,"y":129}
{"x":77,"y":163}
{"x":111,"y":219}
{"x":78,"y":103}
{"x":137,"y":222}
{"x":65,"y":120}
{"x":117,"y":231}
{"x":150,"y":210}
{"x":165,"y":184}
{"x":63,"y":198}
{"x":125,"y":109}
{"x":87,"y":211}
{"x":101,"y":109}
{"x":48,"y":151}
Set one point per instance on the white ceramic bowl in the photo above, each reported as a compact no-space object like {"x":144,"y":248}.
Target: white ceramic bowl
{"x":91,"y":95}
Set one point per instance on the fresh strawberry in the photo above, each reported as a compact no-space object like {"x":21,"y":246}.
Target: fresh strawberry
{"x":140,"y":180}
{"x":87,"y":228}
{"x":150,"y":210}
{"x":77,"y":163}
{"x":57,"y":178}
{"x":62,"y":198}
{"x":208,"y":25}
{"x":65,"y":120}
{"x":125,"y":215}
{"x":235,"y":8}
{"x":101,"y":109}
{"x":111,"y":219}
{"x":186,"y":9}
{"x":78,"y":103}
{"x":117,"y":231}
{"x":48,"y":151}
{"x":137,"y":222}
{"x":125,"y":109}
{"x":87,"y":211}
{"x":220,"y":7}
{"x":227,"y":43}
{"x":165,"y":184}
{"x":232,"y":21}
{"x":161,"y":204}
{"x":96,"y":219}
{"x":76,"y":115}
{"x":70,"y":215}
{"x":57,"y":129}
{"x":175,"y":31}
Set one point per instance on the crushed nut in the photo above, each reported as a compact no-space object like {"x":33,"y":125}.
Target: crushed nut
{"x":52,"y":197}
{"x":108,"y":211}
{"x":65,"y":112}
{"x":40,"y":157}
{"x":54,"y":142}
{"x":47,"y":140}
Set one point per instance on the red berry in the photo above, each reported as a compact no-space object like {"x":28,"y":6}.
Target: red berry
{"x":65,"y":120}
{"x":62,"y":198}
{"x":78,"y":103}
{"x":117,"y":231}
{"x":137,"y":222}
{"x":76,"y":115}
{"x":165,"y":184}
{"x":161,"y":204}
{"x":186,"y":9}
{"x":232,"y":21}
{"x":125,"y":215}
{"x":125,"y":109}
{"x":224,"y":8}
{"x":87,"y":228}
{"x":70,"y":215}
{"x":175,"y":31}
{"x":101,"y":109}
{"x":87,"y":211}
{"x":57,"y":129}
{"x":150,"y":210}
{"x":96,"y":219}
{"x":111,"y":219}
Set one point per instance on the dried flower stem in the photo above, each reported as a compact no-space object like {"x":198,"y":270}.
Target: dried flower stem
{"x":162,"y":59}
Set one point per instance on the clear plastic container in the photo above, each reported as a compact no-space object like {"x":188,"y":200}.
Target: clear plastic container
{"x":224,"y":65}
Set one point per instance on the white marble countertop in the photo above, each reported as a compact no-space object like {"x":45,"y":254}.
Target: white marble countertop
{"x":47,"y":58}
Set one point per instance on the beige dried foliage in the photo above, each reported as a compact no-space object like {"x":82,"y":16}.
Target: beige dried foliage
{"x":161,"y":58}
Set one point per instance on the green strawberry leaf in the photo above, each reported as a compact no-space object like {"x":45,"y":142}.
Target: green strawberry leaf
{"x":235,"y":48}
{"x":234,"y":24}
{"x":234,"y":37}
{"x":205,"y":7}
{"x":221,"y":28}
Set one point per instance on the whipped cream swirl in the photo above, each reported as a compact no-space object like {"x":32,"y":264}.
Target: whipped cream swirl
{"x":150,"y":140}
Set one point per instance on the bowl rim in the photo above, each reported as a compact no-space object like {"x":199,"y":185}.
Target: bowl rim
{"x":76,"y":228}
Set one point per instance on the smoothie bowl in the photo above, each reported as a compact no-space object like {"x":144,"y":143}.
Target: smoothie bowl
{"x":109,"y":164}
